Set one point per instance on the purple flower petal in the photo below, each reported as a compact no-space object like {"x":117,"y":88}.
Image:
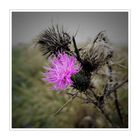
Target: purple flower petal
{"x":60,"y":71}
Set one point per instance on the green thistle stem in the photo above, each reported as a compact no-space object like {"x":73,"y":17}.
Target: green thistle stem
{"x":76,"y":49}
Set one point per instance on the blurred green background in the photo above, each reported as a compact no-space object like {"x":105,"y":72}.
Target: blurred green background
{"x":34,"y":104}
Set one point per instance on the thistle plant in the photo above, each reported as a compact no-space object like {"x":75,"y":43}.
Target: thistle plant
{"x":74,"y":70}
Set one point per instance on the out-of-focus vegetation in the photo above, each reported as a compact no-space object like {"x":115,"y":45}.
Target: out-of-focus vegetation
{"x":34,"y":104}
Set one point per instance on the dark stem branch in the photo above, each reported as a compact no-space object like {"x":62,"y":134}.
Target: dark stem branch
{"x":115,"y":93}
{"x":116,"y":103}
{"x":118,"y":108}
{"x":64,"y":105}
{"x":76,"y":96}
{"x":118,"y":86}
{"x":99,"y":106}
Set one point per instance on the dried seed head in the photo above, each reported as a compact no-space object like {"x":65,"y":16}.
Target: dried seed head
{"x":54,"y":40}
{"x":97,"y":54}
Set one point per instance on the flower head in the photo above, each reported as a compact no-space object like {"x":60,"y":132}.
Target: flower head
{"x":54,"y":40}
{"x":95,"y":55}
{"x":60,"y":71}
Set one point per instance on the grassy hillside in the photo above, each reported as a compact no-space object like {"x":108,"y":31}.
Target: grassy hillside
{"x":34,"y":104}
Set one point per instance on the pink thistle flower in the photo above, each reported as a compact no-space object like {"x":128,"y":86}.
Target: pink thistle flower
{"x":60,"y":71}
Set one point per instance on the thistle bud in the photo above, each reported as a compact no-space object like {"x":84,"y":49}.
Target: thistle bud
{"x":81,"y":81}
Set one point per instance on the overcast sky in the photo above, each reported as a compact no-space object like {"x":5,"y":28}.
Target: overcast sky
{"x":27,"y":25}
